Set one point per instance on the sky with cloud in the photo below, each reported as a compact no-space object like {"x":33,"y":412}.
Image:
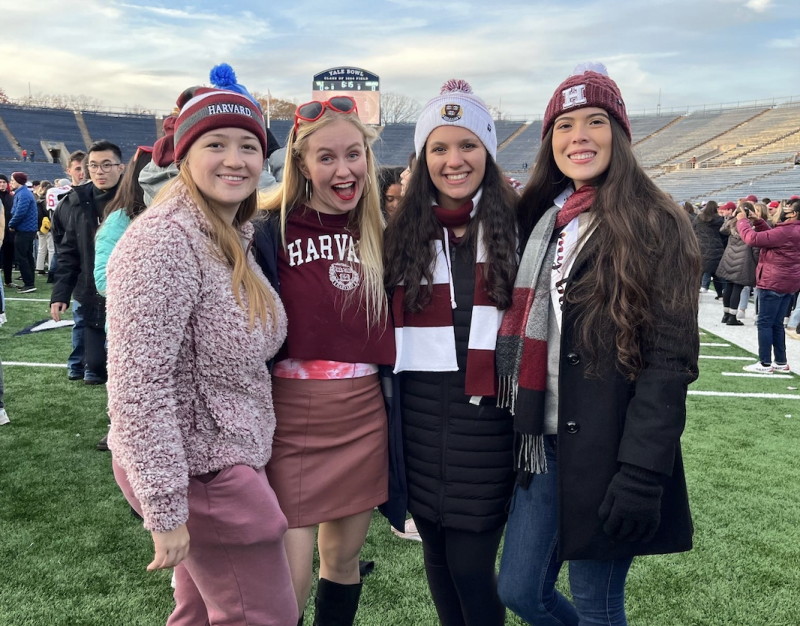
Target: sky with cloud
{"x":513,"y":52}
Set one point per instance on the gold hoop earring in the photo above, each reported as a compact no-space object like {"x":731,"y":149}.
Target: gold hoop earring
{"x":308,"y":192}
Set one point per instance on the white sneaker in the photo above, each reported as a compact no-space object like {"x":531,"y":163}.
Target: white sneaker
{"x":411,"y":531}
{"x":703,"y":289}
{"x":3,"y":319}
{"x":757,"y":368}
{"x":3,"y":417}
{"x":780,"y":368}
{"x":741,"y":314}
{"x":792,"y":333}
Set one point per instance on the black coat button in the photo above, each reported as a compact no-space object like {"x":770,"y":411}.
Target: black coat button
{"x":572,"y":427}
{"x":573,"y":358}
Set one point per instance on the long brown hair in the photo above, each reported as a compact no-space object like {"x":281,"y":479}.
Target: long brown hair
{"x":645,"y":253}
{"x":409,"y":253}
{"x":226,"y":243}
{"x":130,"y":196}
{"x":709,"y":212}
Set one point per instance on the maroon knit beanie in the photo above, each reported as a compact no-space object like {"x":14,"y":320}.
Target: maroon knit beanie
{"x":217,"y":108}
{"x":589,"y":86}
{"x":20,"y":177}
{"x":164,"y":148}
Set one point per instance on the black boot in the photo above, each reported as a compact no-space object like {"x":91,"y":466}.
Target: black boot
{"x":336,"y":604}
{"x":726,"y":318}
{"x":732,"y":321}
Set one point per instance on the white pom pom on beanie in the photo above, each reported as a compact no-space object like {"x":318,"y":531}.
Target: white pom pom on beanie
{"x":456,"y":105}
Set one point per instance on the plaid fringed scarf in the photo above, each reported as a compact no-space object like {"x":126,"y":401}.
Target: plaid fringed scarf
{"x":522,"y":342}
{"x":426,"y":342}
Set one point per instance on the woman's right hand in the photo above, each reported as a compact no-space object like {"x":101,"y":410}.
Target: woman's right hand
{"x":171,"y":548}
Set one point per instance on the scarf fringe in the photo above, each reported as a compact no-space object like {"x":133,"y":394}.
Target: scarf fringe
{"x":507,"y":390}
{"x":530,"y":454}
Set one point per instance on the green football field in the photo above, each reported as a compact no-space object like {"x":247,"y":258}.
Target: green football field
{"x":72,"y":554}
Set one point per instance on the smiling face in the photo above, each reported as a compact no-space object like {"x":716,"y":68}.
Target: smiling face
{"x":456,"y":161}
{"x":582,"y":144}
{"x":335,"y":162}
{"x":225,"y":164}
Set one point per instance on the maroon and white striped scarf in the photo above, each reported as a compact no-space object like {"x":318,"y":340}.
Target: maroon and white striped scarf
{"x":522,"y":343}
{"x":426,"y":342}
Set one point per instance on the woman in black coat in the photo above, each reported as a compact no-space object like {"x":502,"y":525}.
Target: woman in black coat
{"x":7,"y":252}
{"x":595,"y":356}
{"x":450,"y":267}
{"x":712,"y":245}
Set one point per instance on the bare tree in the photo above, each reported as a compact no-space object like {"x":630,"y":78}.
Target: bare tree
{"x":279,"y":109}
{"x":397,"y":108}
{"x":4,"y":99}
{"x":61,"y":101}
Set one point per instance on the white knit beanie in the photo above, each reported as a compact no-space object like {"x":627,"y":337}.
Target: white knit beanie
{"x":456,"y":105}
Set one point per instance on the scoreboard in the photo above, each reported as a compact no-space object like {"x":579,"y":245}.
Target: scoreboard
{"x":359,"y":84}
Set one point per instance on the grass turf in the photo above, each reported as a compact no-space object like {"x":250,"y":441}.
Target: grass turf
{"x":71,"y":553}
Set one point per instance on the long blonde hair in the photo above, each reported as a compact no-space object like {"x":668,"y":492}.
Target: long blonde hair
{"x":366,"y":218}
{"x":227,"y":245}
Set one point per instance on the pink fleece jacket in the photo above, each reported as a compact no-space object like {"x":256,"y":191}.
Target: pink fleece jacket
{"x":188,"y":387}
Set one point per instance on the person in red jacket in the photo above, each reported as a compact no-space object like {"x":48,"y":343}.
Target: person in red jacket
{"x":777,"y":279}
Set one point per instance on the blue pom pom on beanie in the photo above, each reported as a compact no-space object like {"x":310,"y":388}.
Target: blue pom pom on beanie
{"x":223,"y":77}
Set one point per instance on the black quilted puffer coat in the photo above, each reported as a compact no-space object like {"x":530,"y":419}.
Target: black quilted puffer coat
{"x":458,"y":456}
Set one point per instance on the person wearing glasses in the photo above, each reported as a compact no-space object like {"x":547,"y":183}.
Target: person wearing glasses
{"x":80,"y":214}
{"x":330,"y":463}
{"x":450,"y":263}
{"x":192,"y":322}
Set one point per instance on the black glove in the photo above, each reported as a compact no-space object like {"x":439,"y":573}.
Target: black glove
{"x":631,"y":510}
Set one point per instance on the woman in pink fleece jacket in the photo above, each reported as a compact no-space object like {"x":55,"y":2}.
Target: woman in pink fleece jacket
{"x":190,"y":399}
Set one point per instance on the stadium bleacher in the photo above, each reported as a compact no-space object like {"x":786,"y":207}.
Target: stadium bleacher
{"x":522,"y":149}
{"x":32,"y":126}
{"x":737,"y":150}
{"x":395,"y":145}
{"x":127,"y":131}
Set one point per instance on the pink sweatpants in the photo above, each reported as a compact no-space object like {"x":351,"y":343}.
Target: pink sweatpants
{"x":236,"y":573}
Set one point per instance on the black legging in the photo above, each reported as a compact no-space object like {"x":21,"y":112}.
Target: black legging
{"x":8,"y":258}
{"x":461,"y":574}
{"x":731,"y":295}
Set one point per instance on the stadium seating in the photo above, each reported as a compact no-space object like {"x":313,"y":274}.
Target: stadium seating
{"x":646,"y":125}
{"x":690,"y":132}
{"x":281,"y":128}
{"x":32,"y":126}
{"x":522,"y":149}
{"x":127,"y":131}
{"x":35,"y":171}
{"x":505,"y":129}
{"x":395,"y":145}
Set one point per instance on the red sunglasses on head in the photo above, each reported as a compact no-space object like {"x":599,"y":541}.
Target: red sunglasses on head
{"x":312,"y":111}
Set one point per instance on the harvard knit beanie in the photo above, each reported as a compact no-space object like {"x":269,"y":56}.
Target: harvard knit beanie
{"x":216,"y":108}
{"x":456,"y":105}
{"x":20,"y":177}
{"x":588,"y":86}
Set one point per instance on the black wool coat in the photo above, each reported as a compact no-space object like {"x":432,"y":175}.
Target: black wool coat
{"x":458,"y":456}
{"x":605,"y":420}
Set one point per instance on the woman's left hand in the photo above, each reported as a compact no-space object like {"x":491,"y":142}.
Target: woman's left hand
{"x":171,"y":548}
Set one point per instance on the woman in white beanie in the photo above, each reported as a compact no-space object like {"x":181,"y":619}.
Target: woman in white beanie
{"x":450,"y":262}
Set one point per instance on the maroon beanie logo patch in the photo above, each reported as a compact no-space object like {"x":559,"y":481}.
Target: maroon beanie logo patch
{"x":574,"y":96}
{"x":451,"y":112}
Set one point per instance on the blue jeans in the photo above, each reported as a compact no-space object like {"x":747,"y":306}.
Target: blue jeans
{"x":530,"y":566}
{"x":772,"y":308}
{"x":2,"y":298}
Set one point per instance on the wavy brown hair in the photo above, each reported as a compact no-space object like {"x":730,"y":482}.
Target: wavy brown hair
{"x":645,"y":253}
{"x":408,"y":253}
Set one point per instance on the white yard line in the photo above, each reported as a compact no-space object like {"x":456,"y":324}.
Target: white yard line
{"x":728,"y":358}
{"x":24,"y":364}
{"x":28,"y":299}
{"x":715,"y":345}
{"x":749,"y":375}
{"x":733,"y":394}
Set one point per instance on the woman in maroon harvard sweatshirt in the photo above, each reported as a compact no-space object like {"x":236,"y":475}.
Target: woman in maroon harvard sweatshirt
{"x":329,"y":465}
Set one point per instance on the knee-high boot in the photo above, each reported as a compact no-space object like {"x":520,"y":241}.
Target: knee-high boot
{"x":336,"y":604}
